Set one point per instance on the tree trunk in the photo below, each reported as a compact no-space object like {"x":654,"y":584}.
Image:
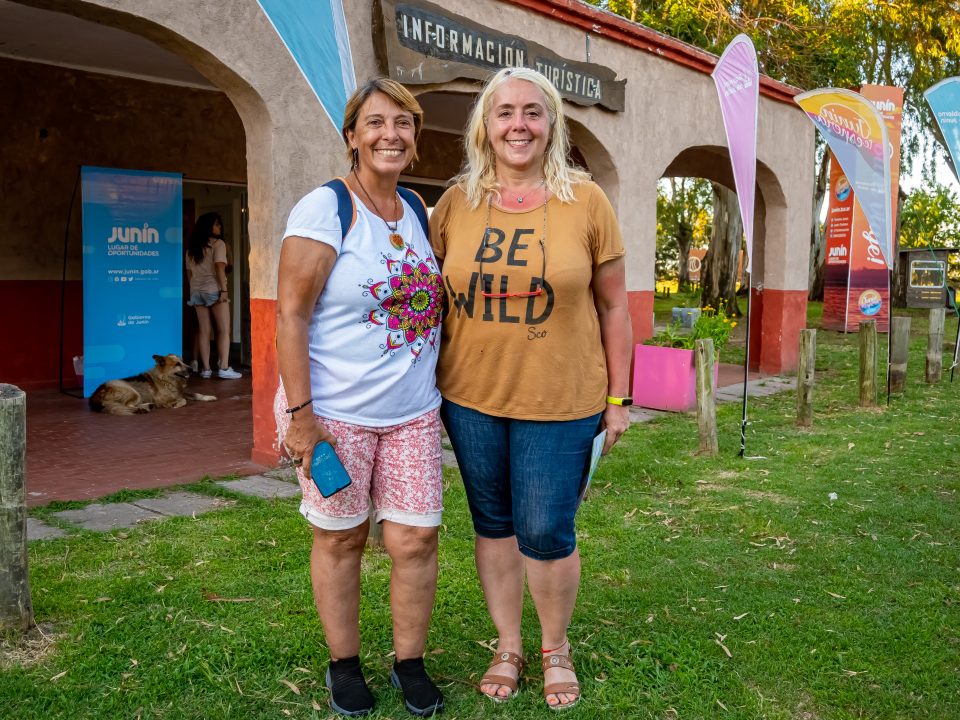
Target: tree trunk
{"x":718,"y":276}
{"x":817,"y":240}
{"x":898,"y":286}
{"x":684,"y":239}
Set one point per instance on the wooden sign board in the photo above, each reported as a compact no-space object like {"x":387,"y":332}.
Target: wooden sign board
{"x":418,"y":42}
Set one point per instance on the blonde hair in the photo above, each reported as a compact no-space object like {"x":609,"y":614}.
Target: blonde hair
{"x":479,"y":177}
{"x":393,"y":90}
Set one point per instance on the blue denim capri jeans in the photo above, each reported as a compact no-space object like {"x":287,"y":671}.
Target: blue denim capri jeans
{"x":522,"y":477}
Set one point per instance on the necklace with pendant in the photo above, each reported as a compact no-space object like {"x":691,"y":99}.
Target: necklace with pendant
{"x":396,"y":239}
{"x":537,"y":187}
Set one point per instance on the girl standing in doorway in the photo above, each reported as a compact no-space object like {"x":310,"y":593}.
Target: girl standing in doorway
{"x":206,"y":269}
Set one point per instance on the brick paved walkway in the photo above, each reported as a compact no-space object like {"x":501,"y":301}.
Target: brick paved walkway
{"x":76,"y":454}
{"x":279,"y":483}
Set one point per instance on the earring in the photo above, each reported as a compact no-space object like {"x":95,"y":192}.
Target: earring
{"x":356,"y":159}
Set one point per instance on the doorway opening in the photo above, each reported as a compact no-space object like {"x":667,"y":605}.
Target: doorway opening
{"x":229,"y":201}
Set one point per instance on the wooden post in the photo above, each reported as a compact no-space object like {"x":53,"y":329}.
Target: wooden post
{"x":375,"y":536}
{"x":706,"y":403}
{"x":935,"y":345}
{"x":16,"y":608}
{"x":899,"y":350}
{"x":805,"y":377}
{"x":868,"y":363}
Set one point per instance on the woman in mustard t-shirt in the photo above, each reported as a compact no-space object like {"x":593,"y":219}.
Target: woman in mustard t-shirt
{"x":534,"y":362}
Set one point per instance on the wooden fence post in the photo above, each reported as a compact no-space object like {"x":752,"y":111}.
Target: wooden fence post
{"x":935,"y":345}
{"x":868,"y":363}
{"x":16,"y":607}
{"x":805,"y":377}
{"x":899,"y":350}
{"x":375,"y":536}
{"x":706,"y":403}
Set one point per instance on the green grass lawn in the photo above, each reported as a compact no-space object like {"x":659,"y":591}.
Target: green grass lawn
{"x":712,"y":587}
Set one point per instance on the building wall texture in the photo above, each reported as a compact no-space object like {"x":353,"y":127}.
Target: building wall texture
{"x":671,"y":110}
{"x":62,"y":119}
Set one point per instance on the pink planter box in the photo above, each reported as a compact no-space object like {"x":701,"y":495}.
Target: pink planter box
{"x":665,"y":378}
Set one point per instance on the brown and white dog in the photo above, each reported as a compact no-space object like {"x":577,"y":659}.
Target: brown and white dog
{"x":164,"y":386}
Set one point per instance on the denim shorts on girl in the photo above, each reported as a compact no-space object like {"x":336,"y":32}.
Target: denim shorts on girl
{"x":203,"y":299}
{"x":398,"y":468}
{"x":522,"y":477}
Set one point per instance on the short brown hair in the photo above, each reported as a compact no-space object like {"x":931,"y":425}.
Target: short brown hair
{"x":403,"y":98}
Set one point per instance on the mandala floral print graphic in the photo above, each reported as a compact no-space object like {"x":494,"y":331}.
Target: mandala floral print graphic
{"x":409,"y":303}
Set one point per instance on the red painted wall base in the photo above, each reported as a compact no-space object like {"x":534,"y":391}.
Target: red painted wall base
{"x":641,"y":313}
{"x":31,"y":311}
{"x":776,"y":319}
{"x":266,"y":379}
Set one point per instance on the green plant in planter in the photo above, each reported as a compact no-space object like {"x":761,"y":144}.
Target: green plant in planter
{"x":673,"y":336}
{"x":712,"y":324}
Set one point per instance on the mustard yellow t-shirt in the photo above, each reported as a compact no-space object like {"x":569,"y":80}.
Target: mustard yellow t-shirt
{"x":530,"y":358}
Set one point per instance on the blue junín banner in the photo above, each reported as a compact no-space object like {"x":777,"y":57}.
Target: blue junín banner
{"x":132,"y":271}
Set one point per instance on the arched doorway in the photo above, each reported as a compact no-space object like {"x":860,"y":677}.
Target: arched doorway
{"x":777,"y":315}
{"x":107,"y":94}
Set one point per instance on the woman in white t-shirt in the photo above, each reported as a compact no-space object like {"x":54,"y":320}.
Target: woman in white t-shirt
{"x":207,"y":271}
{"x":359,"y":308}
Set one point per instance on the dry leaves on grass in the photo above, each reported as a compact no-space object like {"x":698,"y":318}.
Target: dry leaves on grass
{"x":27,"y":650}
{"x":488,"y":644}
{"x":293,"y":688}
{"x":719,"y":641}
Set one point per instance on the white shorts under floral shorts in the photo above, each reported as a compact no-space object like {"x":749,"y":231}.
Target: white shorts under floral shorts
{"x":398,"y":467}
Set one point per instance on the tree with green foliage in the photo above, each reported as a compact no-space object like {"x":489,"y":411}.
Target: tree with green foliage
{"x":827,"y":43}
{"x":718,"y":276}
{"x":683,"y":222}
{"x":930,"y":219}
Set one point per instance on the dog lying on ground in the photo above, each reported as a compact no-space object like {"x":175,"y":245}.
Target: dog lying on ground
{"x":163,"y":386}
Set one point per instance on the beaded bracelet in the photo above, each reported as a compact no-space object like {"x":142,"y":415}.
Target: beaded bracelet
{"x":301,"y":406}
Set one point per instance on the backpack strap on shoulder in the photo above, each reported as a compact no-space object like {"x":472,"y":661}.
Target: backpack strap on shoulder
{"x":346,"y":210}
{"x":419,"y":207}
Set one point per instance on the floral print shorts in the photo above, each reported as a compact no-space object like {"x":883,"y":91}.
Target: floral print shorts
{"x":398,"y":468}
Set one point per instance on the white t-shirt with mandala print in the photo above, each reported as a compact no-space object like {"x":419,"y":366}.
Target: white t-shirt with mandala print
{"x":375,"y":331}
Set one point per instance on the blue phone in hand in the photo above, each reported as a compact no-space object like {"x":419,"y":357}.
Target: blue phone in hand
{"x":327,"y":471}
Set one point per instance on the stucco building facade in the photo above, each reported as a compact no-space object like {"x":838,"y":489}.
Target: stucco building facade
{"x":242,"y":112}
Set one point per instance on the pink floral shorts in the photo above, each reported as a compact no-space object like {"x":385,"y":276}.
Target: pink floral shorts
{"x":398,"y":467}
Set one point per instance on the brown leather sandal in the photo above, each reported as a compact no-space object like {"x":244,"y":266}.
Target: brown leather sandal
{"x":560,"y":688}
{"x":506,"y":681}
